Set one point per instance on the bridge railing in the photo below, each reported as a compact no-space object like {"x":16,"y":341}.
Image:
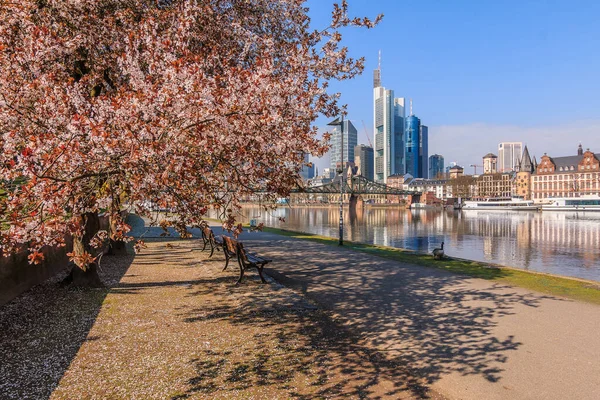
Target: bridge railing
{"x":356,"y":185}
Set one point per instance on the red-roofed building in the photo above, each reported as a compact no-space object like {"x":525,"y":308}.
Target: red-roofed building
{"x":570,"y":176}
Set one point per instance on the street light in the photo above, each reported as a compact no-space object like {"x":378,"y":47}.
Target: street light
{"x":341,"y":172}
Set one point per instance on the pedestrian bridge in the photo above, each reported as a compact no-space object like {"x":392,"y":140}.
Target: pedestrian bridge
{"x":356,"y":186}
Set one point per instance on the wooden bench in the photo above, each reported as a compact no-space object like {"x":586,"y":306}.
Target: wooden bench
{"x":245,"y":259}
{"x":230,"y":249}
{"x":209,"y":238}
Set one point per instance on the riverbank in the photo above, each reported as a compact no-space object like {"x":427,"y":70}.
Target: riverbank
{"x":172,"y":325}
{"x":572,"y":288}
{"x":568,"y":287}
{"x":562,"y":244}
{"x":337,"y":322}
{"x":402,"y":206}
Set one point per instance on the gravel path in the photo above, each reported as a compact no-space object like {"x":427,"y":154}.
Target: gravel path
{"x":172,"y":325}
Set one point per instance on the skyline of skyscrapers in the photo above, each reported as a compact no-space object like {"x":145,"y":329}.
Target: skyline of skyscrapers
{"x":401,"y":144}
{"x":416,"y":147}
{"x":350,"y":141}
{"x":388,"y":128}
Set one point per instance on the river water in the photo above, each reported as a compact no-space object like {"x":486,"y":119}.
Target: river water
{"x":560,"y":243}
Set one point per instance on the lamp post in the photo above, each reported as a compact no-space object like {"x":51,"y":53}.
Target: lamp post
{"x":341,"y":172}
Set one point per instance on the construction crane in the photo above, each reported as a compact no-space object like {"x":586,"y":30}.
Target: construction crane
{"x":367,"y":133}
{"x":475,"y":168}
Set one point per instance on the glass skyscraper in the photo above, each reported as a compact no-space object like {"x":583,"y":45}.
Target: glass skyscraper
{"x":350,"y":141}
{"x":307,"y":172}
{"x":424,"y":152}
{"x":389,"y":114}
{"x":436,"y":166}
{"x":412,"y":156}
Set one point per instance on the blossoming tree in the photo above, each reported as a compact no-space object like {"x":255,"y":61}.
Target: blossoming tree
{"x":186,"y":104}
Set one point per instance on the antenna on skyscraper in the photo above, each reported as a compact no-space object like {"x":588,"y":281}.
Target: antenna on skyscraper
{"x":377,"y":74}
{"x":411,"y":107}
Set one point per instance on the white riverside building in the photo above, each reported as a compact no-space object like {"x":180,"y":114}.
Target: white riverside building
{"x":439,"y":187}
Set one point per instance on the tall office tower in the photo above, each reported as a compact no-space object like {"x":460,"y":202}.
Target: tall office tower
{"x":307,"y":172}
{"x":377,"y":78}
{"x":350,"y":141}
{"x":436,"y":166}
{"x":509,"y":154}
{"x":389,"y":113}
{"x":364,"y":160}
{"x":424,"y":152}
{"x":412,"y":133}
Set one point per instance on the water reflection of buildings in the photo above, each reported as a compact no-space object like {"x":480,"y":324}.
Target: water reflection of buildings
{"x":569,"y":230}
{"x":550,"y":242}
{"x":491,"y":226}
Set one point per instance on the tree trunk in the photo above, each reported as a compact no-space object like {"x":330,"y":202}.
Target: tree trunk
{"x":116,"y":247}
{"x":86,"y":275}
{"x":88,"y":278}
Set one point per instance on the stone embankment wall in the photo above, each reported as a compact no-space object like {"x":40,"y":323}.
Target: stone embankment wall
{"x":18,"y":276}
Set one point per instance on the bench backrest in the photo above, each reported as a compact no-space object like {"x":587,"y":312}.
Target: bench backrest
{"x":230,"y":244}
{"x":242,"y":252}
{"x":208,"y":233}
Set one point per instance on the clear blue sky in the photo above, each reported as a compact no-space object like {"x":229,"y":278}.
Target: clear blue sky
{"x":480,"y":72}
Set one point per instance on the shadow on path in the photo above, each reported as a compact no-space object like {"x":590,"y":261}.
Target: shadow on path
{"x":314,"y":355}
{"x":424,"y":323}
{"x":140,"y":229}
{"x":43,"y":329}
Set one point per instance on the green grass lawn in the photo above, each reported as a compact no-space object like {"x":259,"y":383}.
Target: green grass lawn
{"x":572,"y":288}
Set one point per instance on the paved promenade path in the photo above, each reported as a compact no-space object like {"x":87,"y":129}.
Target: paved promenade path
{"x":335,"y":324}
{"x":467,"y":338}
{"x":170,"y":324}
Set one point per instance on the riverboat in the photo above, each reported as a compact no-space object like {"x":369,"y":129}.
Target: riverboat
{"x":584,"y":203}
{"x":514,"y":204}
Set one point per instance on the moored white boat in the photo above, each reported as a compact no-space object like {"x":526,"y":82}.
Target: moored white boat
{"x":514,"y":204}
{"x":584,"y":203}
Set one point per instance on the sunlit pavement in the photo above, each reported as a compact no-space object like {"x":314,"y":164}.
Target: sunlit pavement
{"x":469,"y":338}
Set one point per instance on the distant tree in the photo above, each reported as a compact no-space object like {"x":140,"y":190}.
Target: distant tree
{"x":463,"y":186}
{"x":183,"y":104}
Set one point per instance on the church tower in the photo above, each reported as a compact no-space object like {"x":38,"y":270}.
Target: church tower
{"x":522,"y":181}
